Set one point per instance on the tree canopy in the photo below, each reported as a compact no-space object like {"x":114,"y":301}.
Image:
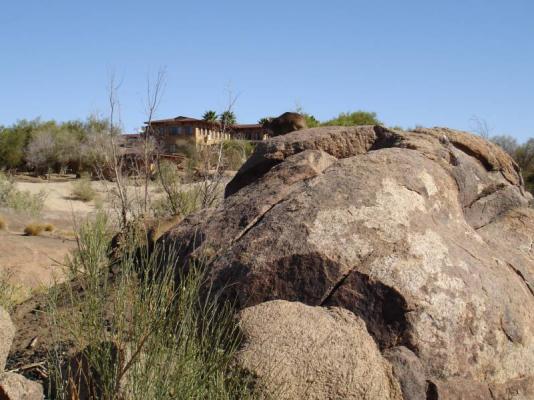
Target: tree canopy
{"x":227,"y":118}
{"x":354,"y":118}
{"x":210,"y":116}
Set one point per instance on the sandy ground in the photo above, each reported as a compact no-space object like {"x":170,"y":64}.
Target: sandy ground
{"x":38,"y":261}
{"x":59,"y":196}
{"x":34,"y":262}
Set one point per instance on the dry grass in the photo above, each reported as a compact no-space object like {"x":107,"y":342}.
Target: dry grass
{"x":83,"y":190}
{"x":33,"y":229}
{"x":10,"y":295}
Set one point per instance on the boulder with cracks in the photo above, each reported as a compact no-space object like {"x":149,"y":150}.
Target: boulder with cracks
{"x":425,"y":236}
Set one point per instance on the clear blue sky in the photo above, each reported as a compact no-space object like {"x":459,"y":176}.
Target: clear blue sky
{"x":413,"y":62}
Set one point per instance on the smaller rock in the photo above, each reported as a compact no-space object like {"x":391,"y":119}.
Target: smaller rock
{"x":408,"y":369}
{"x":302,"y":352}
{"x":7,"y":333}
{"x":16,"y":387}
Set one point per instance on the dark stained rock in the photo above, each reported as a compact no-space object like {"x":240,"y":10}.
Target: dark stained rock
{"x":285,"y":123}
{"x":409,"y":372}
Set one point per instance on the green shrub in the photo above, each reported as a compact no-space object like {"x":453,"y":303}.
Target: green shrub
{"x":20,"y":201}
{"x":354,"y":118}
{"x":24,"y":201}
{"x":10,"y":295}
{"x":177,"y":343}
{"x":82,"y":190}
{"x":177,"y":202}
{"x":236,"y":152}
{"x":6,"y":187}
{"x":177,"y":198}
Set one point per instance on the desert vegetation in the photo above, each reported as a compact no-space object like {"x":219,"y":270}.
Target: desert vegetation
{"x":17,"y":200}
{"x":83,"y":190}
{"x":353,"y":118}
{"x":173,"y":340}
{"x":523,"y":154}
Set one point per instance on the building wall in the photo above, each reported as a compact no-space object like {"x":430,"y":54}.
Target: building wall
{"x":177,"y":136}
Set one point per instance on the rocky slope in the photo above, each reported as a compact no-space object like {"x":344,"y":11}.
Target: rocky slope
{"x":410,"y":255}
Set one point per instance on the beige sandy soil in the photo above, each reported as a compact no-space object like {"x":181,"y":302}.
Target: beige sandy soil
{"x":33,"y":262}
{"x":36,"y":261}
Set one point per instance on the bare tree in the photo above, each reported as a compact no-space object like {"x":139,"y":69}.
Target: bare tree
{"x":480,"y":127}
{"x":507,"y":143}
{"x":154,"y":91}
{"x":41,"y":152}
{"x":212,"y":184}
{"x":115,"y":162}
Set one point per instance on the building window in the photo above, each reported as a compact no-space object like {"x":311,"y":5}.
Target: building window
{"x":174,"y":130}
{"x":188,"y":130}
{"x":172,"y":148}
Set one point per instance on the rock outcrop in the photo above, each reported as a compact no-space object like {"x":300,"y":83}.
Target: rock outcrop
{"x":7,"y":333}
{"x":426,"y":236}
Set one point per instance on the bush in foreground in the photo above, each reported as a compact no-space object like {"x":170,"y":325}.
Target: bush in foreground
{"x":172,"y":341}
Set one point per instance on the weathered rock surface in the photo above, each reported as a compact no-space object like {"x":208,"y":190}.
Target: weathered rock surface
{"x":16,"y":387}
{"x":409,"y":371}
{"x":424,"y":235}
{"x":7,"y":333}
{"x":303,"y":352}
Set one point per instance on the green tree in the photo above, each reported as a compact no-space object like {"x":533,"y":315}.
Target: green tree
{"x":264,"y":120}
{"x":354,"y":118}
{"x":210,"y":116}
{"x":227,"y":118}
{"x":523,"y":154}
{"x":311,"y":121}
{"x":14,"y":139}
{"x":11,"y":148}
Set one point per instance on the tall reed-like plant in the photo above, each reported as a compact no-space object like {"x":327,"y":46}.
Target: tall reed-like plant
{"x":155,"y":337}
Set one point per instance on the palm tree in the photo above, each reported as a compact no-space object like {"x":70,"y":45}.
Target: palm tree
{"x":264,"y":120}
{"x":210,"y":116}
{"x":227,"y":118}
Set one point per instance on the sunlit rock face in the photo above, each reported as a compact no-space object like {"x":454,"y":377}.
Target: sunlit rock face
{"x":425,"y":236}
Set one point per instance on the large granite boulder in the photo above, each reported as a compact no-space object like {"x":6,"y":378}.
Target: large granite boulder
{"x":426,"y":236}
